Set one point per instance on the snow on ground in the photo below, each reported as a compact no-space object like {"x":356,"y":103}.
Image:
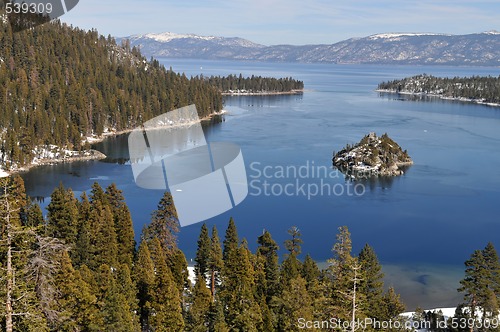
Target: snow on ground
{"x":3,"y":173}
{"x":447,"y":312}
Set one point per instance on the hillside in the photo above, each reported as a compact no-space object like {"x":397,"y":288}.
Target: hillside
{"x":481,"y":49}
{"x":60,"y":84}
{"x":475,"y":89}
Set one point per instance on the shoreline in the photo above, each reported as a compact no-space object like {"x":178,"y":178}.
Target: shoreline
{"x":91,"y":154}
{"x":422,"y":94}
{"x":83,"y":156}
{"x":263,"y":93}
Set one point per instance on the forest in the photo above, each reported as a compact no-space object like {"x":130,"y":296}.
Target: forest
{"x":60,"y":84}
{"x":255,"y":84}
{"x":476,"y":88}
{"x":78,"y":268}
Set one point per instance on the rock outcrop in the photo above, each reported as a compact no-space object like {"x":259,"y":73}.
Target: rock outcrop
{"x":372,"y":156}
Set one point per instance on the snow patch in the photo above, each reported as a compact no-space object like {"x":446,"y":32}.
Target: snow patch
{"x":165,"y":37}
{"x":397,"y":35}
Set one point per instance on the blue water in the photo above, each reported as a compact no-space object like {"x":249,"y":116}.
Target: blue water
{"x":443,"y":208}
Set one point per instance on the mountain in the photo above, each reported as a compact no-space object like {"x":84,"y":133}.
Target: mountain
{"x":481,"y":49}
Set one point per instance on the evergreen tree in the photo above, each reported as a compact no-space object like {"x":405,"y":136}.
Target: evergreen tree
{"x":164,"y":224}
{"x":76,"y":300}
{"x":341,"y":276}
{"x":242,"y":310}
{"x":473,"y":285}
{"x":144,"y":277}
{"x":62,"y":217}
{"x":123,"y":225}
{"x":198,"y":317}
{"x":114,"y":307}
{"x":230,"y":241}
{"x":166,"y":311}
{"x":310,"y":271}
{"x":295,"y":303}
{"x":371,"y":285}
{"x":269,"y":250}
{"x":392,"y":305}
{"x":104,"y":248}
{"x":215,"y":262}
{"x":202,"y":253}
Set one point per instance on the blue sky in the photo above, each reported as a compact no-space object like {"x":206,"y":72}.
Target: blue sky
{"x":285,"y":21}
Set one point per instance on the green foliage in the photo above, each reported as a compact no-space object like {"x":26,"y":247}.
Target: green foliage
{"x":481,"y":284}
{"x":62,"y":217}
{"x":254,"y":84}
{"x":202,"y":253}
{"x":476,"y":88}
{"x":96,"y":286}
{"x":59,"y":83}
{"x":164,"y":224}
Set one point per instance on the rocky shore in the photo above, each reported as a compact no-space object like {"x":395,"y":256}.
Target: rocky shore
{"x":372,"y":156}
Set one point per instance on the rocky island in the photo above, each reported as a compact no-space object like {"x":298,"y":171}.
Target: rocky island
{"x":372,"y":156}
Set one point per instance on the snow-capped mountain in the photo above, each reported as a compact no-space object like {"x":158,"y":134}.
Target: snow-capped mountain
{"x":481,"y":49}
{"x":174,"y":45}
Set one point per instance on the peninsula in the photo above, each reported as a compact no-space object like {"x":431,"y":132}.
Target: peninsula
{"x":372,"y":156}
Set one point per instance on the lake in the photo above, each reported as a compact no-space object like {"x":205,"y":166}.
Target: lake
{"x":423,"y":225}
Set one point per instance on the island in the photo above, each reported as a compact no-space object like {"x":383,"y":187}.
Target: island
{"x":372,"y":156}
{"x":476,"y":89}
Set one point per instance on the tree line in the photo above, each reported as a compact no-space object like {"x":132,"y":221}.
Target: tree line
{"x":60,"y":84}
{"x":79,"y":269}
{"x":478,"y":88}
{"x":254,"y":84}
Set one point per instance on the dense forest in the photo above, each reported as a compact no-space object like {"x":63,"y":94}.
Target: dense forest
{"x":475,"y":88}
{"x":79,"y":269}
{"x":59,"y":84}
{"x":255,"y":84}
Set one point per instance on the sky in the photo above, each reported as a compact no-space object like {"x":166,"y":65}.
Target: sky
{"x":295,"y":22}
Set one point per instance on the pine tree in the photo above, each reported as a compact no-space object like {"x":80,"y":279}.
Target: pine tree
{"x":215,"y":262}
{"x":164,"y":224}
{"x":123,"y":225}
{"x":62,"y":217}
{"x":371,"y":285}
{"x":295,"y":303}
{"x":392,"y":305}
{"x":144,"y":277}
{"x":165,"y":303}
{"x":81,"y":254}
{"x":202,"y":253}
{"x":341,"y":276}
{"x":198,"y":316}
{"x":474,"y":285}
{"x":76,"y":300}
{"x":269,"y":250}
{"x":310,"y":271}
{"x":242,"y":310}
{"x":104,"y":248}
{"x":230,"y":241}
{"x":113,"y":305}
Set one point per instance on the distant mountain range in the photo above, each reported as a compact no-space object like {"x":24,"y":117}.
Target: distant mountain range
{"x":480,"y":49}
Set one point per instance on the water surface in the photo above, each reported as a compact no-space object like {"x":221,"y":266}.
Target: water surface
{"x":428,"y":221}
